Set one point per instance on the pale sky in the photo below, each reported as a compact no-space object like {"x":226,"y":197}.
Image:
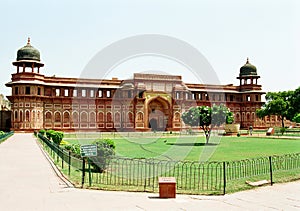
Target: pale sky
{"x":70,"y":33}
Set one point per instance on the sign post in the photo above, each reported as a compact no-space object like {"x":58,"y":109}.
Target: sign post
{"x":89,"y":150}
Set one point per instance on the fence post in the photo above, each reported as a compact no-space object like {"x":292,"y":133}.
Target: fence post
{"x":62,"y":158}
{"x":224,"y":178}
{"x":57,"y":153}
{"x":83,"y":172}
{"x":69,"y":163}
{"x":145,"y":180}
{"x":90,"y":176}
{"x":271,"y":171}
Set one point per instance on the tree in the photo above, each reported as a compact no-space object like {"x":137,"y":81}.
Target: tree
{"x":295,"y":105}
{"x":296,"y":118}
{"x":277,"y":103}
{"x":207,"y":117}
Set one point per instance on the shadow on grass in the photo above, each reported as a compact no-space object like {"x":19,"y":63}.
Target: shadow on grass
{"x":192,"y":144}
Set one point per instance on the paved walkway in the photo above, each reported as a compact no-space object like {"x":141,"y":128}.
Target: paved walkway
{"x":28,"y":182}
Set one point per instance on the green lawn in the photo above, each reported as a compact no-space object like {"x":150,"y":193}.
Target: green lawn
{"x":192,"y":148}
{"x":191,"y":177}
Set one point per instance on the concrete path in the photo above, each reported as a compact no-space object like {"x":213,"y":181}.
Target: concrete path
{"x":28,"y":182}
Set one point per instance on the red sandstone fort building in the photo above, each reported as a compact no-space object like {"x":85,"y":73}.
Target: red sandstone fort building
{"x":146,"y":102}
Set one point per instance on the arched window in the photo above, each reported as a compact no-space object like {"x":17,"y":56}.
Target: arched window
{"x":75,"y":117}
{"x":140,"y":116}
{"x":130,"y":117}
{"x":33,"y":115}
{"x":66,"y":116}
{"x":21,"y":116}
{"x":117,"y":117}
{"x":108,"y":117}
{"x":100,"y":117}
{"x":177,"y":116}
{"x":83,"y":117}
{"x":48,"y":117}
{"x":16,"y":115}
{"x":248,"y":117}
{"x":92,"y":117}
{"x":27,"y":116}
{"x":253,"y":116}
{"x":57,"y":117}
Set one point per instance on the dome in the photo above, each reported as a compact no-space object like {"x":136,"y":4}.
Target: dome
{"x":28,"y":53}
{"x":248,"y":69}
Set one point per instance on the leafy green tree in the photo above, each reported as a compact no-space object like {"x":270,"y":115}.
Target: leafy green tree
{"x":295,"y":105}
{"x":277,"y":103}
{"x":297,"y":118}
{"x":207,"y":117}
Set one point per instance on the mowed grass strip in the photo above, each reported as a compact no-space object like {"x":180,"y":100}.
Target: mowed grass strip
{"x":190,"y":147}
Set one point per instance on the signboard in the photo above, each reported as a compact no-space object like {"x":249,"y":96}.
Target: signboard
{"x":88,"y":150}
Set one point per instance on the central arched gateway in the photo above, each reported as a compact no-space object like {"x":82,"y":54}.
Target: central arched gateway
{"x":158,"y":114}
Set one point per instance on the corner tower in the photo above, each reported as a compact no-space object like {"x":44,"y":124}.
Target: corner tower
{"x":250,"y":95}
{"x":248,"y":76}
{"x":27,"y":94}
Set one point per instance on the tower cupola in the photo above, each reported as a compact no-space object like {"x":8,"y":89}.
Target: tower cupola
{"x":28,"y":57}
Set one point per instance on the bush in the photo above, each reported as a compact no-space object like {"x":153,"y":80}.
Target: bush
{"x":74,"y":149}
{"x":57,"y":137}
{"x":105,"y":151}
{"x":42,"y":132}
{"x":49,"y":134}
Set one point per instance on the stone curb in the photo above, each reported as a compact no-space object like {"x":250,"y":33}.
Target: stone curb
{"x":54,"y":167}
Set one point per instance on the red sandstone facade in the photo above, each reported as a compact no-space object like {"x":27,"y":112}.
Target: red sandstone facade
{"x":146,"y":102}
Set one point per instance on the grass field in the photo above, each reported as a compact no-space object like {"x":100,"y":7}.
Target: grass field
{"x":192,"y":148}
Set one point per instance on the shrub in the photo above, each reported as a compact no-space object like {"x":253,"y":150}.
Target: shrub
{"x":74,"y":149}
{"x":238,"y":135}
{"x":49,"y":134}
{"x":105,"y":151}
{"x":57,"y":137}
{"x":42,"y":132}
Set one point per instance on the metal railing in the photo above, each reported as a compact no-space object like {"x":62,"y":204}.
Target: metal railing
{"x":191,"y":177}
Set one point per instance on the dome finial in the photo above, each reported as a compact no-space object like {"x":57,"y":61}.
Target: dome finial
{"x":28,"y":41}
{"x":247,"y":60}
